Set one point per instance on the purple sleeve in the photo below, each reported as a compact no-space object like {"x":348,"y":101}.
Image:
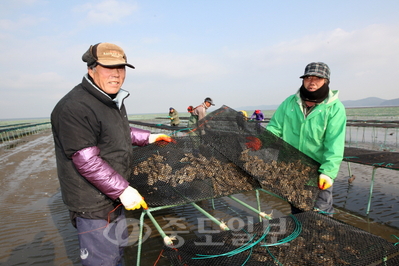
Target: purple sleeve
{"x":98,"y":172}
{"x":139,"y":136}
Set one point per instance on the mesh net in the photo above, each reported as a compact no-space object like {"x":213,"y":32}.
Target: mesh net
{"x":184,"y":171}
{"x":275,"y":164}
{"x":224,"y":155}
{"x":307,"y":238}
{"x":375,"y":158}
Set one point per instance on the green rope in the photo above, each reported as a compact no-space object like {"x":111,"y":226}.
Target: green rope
{"x":378,"y":164}
{"x":397,"y":238}
{"x":249,"y":245}
{"x":297,"y":231}
{"x":182,"y":129}
{"x":323,"y":212}
{"x":273,"y":257}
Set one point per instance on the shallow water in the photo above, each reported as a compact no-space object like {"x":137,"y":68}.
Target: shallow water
{"x":36,"y":229}
{"x":373,"y":138}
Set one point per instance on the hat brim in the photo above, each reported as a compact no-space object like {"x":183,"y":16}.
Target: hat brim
{"x":115,"y":65}
{"x":313,"y":74}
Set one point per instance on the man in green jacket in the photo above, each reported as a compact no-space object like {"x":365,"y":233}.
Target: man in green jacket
{"x":174,"y":117}
{"x":314,"y":121}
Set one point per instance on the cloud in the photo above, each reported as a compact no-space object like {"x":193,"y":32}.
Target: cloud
{"x":361,"y":61}
{"x":40,"y":70}
{"x":269,"y":74}
{"x":376,"y":42}
{"x":175,"y":66}
{"x":20,"y":23}
{"x":108,"y":11}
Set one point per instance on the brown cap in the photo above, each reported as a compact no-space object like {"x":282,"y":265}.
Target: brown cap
{"x":106,"y":55}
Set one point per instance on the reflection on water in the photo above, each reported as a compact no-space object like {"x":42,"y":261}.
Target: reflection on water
{"x":39,"y":234}
{"x":373,"y":138}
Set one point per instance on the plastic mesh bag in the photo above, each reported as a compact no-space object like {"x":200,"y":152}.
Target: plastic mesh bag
{"x":186,"y":171}
{"x":307,"y":238}
{"x":279,"y":167}
{"x":221,"y":157}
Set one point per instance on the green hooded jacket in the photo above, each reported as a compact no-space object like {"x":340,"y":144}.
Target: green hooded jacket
{"x":320,"y":134}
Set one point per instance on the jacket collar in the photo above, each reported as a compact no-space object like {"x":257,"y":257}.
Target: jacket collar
{"x":332,"y":97}
{"x":102,"y":96}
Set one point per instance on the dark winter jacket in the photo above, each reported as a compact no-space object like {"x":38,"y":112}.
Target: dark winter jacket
{"x":174,"y":118}
{"x":93,"y":148}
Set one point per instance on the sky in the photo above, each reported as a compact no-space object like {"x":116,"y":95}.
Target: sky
{"x":239,"y":53}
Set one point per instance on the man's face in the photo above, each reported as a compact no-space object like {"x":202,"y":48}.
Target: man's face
{"x":313,"y":83}
{"x":109,"y":79}
{"x":207,"y":104}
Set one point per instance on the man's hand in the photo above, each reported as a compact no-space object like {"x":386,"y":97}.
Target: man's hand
{"x":253,"y":143}
{"x":132,"y":199}
{"x":158,"y":137}
{"x":324,"y":181}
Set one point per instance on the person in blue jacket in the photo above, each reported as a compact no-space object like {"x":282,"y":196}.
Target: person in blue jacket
{"x":314,"y":121}
{"x":258,"y":116}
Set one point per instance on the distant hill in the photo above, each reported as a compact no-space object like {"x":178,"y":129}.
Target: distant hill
{"x":371,"y":102}
{"x":260,"y":107}
{"x":394,"y":102}
{"x":366,"y":102}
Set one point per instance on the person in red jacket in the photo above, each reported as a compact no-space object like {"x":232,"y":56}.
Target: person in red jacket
{"x":93,"y":147}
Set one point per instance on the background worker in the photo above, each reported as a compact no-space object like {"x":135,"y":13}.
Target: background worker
{"x":199,"y":113}
{"x":174,"y":117}
{"x":191,"y":121}
{"x":94,"y":154}
{"x":258,"y":116}
{"x":242,"y":120}
{"x":314,"y":121}
{"x":197,"y":130}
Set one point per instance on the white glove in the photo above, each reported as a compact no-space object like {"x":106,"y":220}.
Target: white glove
{"x":325,"y":181}
{"x":158,"y":137}
{"x":130,"y":198}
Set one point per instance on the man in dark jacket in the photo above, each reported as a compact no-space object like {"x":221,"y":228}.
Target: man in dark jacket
{"x":93,"y":150}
